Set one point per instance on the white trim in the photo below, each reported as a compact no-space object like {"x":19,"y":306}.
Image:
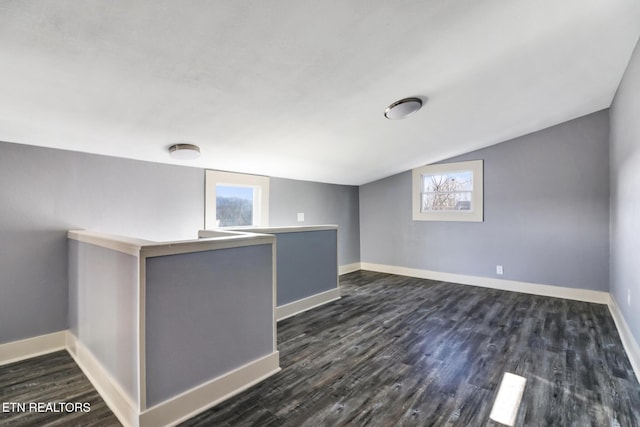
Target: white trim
{"x":220,"y":233}
{"x":260,"y":203}
{"x":205,"y":244}
{"x":141,"y":333}
{"x":274,"y":294}
{"x":628,"y":341}
{"x":283,"y":229}
{"x":114,"y":396}
{"x":177,"y":408}
{"x":127,"y":245}
{"x":476,"y":215}
{"x":148,"y":248}
{"x":209,"y":394}
{"x":587,"y":295}
{"x":349,"y":268}
{"x":304,"y":304}
{"x":16,"y":351}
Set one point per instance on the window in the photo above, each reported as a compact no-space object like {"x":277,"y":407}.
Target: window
{"x":448,"y":192}
{"x":236,"y":200}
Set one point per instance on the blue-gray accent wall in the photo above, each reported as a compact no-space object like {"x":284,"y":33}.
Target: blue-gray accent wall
{"x":321,"y":204}
{"x":306,"y":264}
{"x":207,"y":313}
{"x":546,"y":213}
{"x":625,"y":196}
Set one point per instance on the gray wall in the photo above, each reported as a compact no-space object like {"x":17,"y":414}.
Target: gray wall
{"x":306,"y":264}
{"x":103,"y":307}
{"x":625,"y":195}
{"x":207,"y":313}
{"x":546,"y":210}
{"x":321,"y":204}
{"x":45,"y":192}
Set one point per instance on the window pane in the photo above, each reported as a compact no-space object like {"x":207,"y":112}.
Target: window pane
{"x":460,"y":201}
{"x":234,"y":205}
{"x":455,"y":181}
{"x":448,"y":192}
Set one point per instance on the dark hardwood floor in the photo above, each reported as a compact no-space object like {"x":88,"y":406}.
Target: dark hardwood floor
{"x":51,"y":378}
{"x":410,"y":352}
{"x":403,"y":351}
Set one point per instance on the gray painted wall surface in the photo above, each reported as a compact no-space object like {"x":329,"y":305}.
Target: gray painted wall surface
{"x":306,"y":264}
{"x":625,"y":195}
{"x":546,"y":210}
{"x":45,"y":192}
{"x":321,"y":204}
{"x":206,"y":314}
{"x":103,"y":309}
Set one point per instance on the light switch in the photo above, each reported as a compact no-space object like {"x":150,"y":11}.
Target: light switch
{"x":300,"y":216}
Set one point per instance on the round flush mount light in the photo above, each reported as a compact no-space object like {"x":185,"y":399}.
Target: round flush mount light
{"x":184,"y":151}
{"x":403,"y":108}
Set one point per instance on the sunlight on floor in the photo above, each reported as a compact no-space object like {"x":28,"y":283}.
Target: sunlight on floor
{"x":505,"y":408}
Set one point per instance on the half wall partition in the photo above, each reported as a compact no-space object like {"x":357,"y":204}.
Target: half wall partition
{"x":166,"y":330}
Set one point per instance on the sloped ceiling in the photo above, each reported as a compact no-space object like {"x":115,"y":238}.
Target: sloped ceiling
{"x":297,"y":89}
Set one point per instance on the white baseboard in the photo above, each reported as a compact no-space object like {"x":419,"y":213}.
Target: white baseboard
{"x":16,"y":351}
{"x":587,"y":295}
{"x":207,"y":395}
{"x":178,"y":408}
{"x":628,"y":341}
{"x":296,"y":307}
{"x":349,"y":268}
{"x":114,"y":396}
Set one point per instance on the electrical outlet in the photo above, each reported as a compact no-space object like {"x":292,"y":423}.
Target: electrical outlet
{"x":499,"y":270}
{"x":300,"y":216}
{"x":629,"y":296}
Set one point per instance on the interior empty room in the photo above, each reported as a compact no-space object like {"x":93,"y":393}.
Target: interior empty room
{"x":320,"y":214}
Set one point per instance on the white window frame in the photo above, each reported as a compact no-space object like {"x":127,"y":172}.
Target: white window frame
{"x":260,"y":199}
{"x":476,"y":215}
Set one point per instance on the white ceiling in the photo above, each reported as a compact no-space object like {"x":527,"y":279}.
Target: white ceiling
{"x":297,"y":89}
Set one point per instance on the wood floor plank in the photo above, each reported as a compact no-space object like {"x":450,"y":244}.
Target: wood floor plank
{"x":404,"y":351}
{"x":401,"y":351}
{"x":51,"y":378}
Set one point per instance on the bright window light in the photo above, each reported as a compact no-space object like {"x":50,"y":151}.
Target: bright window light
{"x":505,"y":408}
{"x":236,"y":200}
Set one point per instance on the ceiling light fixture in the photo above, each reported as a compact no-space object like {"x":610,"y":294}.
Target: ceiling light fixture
{"x":403,"y":108}
{"x":184,"y":151}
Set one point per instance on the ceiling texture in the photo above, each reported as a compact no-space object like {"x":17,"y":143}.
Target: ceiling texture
{"x":298,"y":88}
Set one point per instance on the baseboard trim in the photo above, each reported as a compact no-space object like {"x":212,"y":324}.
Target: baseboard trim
{"x":178,"y":408}
{"x":349,"y":268}
{"x":114,"y":396}
{"x":628,"y":341}
{"x":205,"y":396}
{"x":16,"y":351}
{"x":587,"y":295}
{"x":299,"y":306}
{"x":209,"y":394}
